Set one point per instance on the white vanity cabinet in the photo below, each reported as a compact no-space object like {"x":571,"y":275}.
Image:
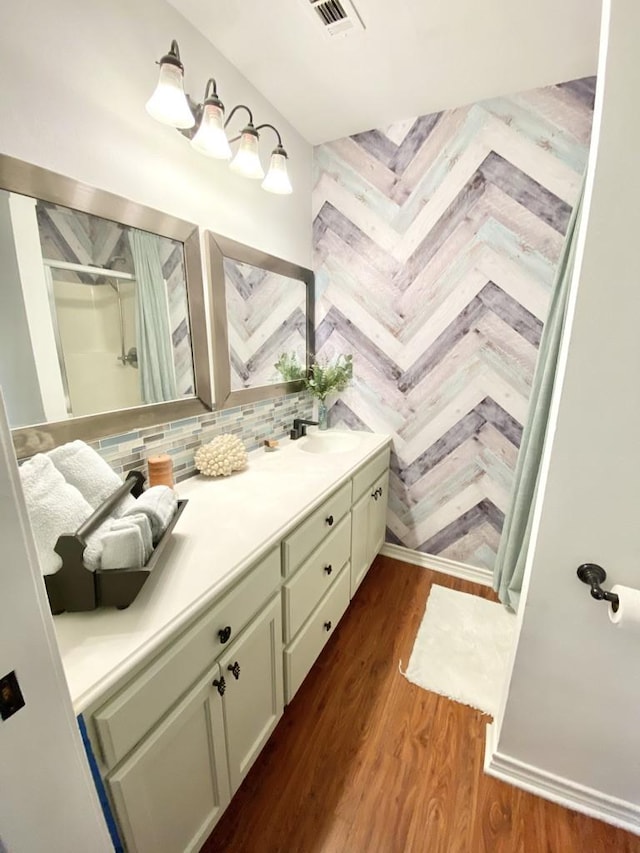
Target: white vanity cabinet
{"x":186,"y":754}
{"x":302,"y":652}
{"x":368,"y":516}
{"x":325,"y":563}
{"x":315,"y":563}
{"x":253,"y":696}
{"x":175,"y":736}
{"x":170,"y":792}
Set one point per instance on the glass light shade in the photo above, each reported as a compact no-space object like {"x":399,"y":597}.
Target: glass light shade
{"x":169,"y":104}
{"x":210,"y":138}
{"x":277,"y":180}
{"x":247,"y":161}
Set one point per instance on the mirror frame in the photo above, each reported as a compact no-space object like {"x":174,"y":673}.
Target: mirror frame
{"x":26,"y":179}
{"x":218,"y":248}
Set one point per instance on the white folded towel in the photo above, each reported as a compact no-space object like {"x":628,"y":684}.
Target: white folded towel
{"x":144,"y":525}
{"x":92,"y":555}
{"x":55,"y":507}
{"x":94,"y":478}
{"x":123,"y":546}
{"x":159,"y":504}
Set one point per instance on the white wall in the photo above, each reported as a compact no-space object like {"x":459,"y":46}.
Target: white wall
{"x":573,"y":704}
{"x":74,"y":78}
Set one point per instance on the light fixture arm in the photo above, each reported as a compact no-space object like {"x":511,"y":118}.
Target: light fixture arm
{"x":274,"y":129}
{"x":233,"y":112}
{"x":211,"y":96}
{"x":173,"y":57}
{"x":211,"y":84}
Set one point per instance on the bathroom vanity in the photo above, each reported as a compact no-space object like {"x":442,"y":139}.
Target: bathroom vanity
{"x":180,"y":692}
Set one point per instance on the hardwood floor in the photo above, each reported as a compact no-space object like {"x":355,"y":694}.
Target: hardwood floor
{"x":363,"y":760}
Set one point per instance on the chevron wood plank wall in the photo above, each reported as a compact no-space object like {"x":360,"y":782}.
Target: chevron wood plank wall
{"x":436,"y":242}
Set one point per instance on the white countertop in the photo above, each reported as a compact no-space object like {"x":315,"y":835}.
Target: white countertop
{"x":227,"y":525}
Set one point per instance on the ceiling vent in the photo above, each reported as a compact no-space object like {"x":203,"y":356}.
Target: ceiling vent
{"x":337,"y":17}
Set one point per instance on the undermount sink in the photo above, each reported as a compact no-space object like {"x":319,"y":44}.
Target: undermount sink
{"x":329,"y":442}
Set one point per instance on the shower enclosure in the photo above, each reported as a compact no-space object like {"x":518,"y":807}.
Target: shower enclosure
{"x":93,"y":316}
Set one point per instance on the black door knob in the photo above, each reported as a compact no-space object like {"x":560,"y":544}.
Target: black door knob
{"x":224,"y":634}
{"x":220,"y":684}
{"x":327,"y":626}
{"x":328,"y":569}
{"x":234,"y":669}
{"x":329,"y":520}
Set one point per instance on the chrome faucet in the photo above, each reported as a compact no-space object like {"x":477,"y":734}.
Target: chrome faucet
{"x":300,"y":428}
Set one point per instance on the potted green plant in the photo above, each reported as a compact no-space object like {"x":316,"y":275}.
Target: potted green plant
{"x":325,"y":377}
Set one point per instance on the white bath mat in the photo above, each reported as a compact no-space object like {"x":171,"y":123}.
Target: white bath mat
{"x":462,"y":648}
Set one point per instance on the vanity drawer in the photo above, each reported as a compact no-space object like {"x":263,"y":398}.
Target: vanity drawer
{"x":369,"y":473}
{"x":305,"y":589}
{"x":126,"y":719}
{"x":300,"y":656}
{"x":315,"y":528}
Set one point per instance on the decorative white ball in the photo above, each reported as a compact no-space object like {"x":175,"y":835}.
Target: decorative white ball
{"x":218,"y":458}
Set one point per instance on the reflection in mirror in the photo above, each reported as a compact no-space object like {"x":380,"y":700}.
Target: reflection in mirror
{"x":102,"y":327}
{"x":266,"y":315}
{"x":119,"y":312}
{"x":262,"y":306}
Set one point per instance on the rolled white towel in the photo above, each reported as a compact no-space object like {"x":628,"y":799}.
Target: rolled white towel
{"x":94,"y":478}
{"x":123,"y":546}
{"x":55,"y":508}
{"x":159,"y":504}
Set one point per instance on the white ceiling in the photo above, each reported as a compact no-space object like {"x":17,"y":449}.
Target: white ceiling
{"x":415,"y":56}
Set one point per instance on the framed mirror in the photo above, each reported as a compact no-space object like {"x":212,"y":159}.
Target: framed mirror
{"x":103,"y":325}
{"x":262,"y":306}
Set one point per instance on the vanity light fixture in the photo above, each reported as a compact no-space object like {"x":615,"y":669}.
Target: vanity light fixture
{"x":210,"y":138}
{"x":204,"y":124}
{"x":169,"y":104}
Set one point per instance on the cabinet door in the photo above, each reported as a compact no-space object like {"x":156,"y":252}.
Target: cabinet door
{"x":378,"y":515}
{"x":359,"y":540}
{"x":254,"y":696}
{"x":170,"y":793}
{"x":368,"y":525}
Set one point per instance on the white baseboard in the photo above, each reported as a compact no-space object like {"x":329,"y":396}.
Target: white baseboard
{"x":438,"y":564}
{"x":558,"y":789}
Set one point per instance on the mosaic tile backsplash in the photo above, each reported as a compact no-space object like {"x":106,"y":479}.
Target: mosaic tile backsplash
{"x":252,"y":423}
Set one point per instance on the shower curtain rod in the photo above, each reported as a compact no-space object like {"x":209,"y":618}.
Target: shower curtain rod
{"x":125,"y":357}
{"x":66,"y":265}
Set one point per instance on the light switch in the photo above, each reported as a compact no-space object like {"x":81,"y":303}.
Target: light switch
{"x":11,"y":698}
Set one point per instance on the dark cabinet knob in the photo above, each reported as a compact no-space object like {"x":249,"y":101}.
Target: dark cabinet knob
{"x":234,"y":669}
{"x":328,"y":569}
{"x":329,"y":520}
{"x":220,"y":685}
{"x":327,"y":626}
{"x":224,"y":634}
{"x":380,"y":491}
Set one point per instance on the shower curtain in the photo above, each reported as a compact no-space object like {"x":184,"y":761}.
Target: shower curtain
{"x":153,"y":332}
{"x":508,"y":572}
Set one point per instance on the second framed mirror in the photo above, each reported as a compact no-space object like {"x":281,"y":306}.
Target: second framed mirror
{"x":262,"y":306}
